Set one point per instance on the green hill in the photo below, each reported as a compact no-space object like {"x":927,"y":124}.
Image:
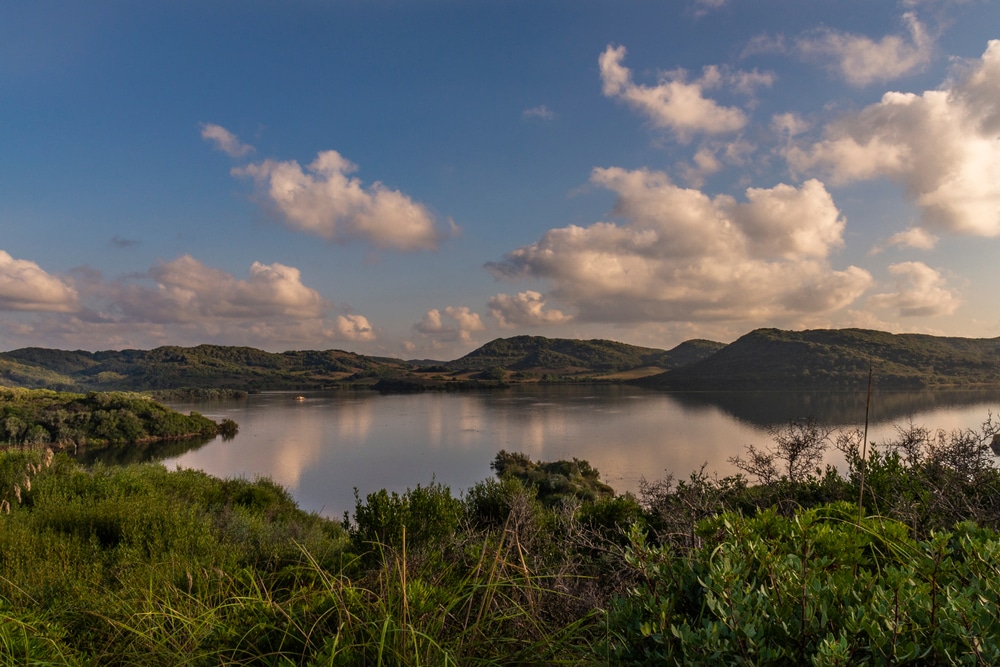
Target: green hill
{"x":837,"y":359}
{"x":43,"y":417}
{"x":204,"y":366}
{"x":561,"y":355}
{"x":762,"y":359}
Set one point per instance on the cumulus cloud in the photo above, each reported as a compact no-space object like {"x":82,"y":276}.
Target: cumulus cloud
{"x":455,"y":324}
{"x":914,"y":237}
{"x":862,"y":61}
{"x":187,"y":290}
{"x":542,"y":112}
{"x":681,"y":255}
{"x":323,"y":200}
{"x":675,"y":103}
{"x":711,"y":157}
{"x":26,"y":286}
{"x":353,"y":328}
{"x":920,"y":292}
{"x":525,"y":309}
{"x":943,"y":146}
{"x":788,"y":125}
{"x":185,"y":301}
{"x":224,"y":140}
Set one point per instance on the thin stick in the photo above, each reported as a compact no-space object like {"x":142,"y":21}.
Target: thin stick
{"x":864,"y":446}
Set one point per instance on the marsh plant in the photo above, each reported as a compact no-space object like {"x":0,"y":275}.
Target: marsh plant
{"x":543,"y":564}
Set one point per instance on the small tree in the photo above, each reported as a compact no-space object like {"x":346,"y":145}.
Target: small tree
{"x":795,"y":455}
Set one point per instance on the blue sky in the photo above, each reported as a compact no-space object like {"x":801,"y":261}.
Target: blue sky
{"x":415,"y":178}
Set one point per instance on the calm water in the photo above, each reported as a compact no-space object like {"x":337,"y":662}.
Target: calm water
{"x":323,"y":447}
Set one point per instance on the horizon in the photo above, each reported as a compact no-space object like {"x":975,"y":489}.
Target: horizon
{"x":416,"y":179}
{"x":484,"y":343}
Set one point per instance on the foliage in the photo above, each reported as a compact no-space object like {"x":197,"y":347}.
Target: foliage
{"x":838,"y":358}
{"x":818,"y":588}
{"x":204,"y":367}
{"x":553,"y":481}
{"x":524,"y":353}
{"x":42,"y":417}
{"x":795,"y":456}
{"x":140,"y":565}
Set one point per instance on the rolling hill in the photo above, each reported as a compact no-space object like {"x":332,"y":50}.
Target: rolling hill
{"x":562,"y":355}
{"x":839,"y":359}
{"x":765,"y":359}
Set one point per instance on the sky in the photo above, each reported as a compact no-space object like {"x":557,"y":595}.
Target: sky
{"x":414,"y":178}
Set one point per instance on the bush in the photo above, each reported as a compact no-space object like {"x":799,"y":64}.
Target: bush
{"x":819,"y":588}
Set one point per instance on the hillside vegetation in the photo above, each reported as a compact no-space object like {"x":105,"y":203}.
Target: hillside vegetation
{"x":249,"y":369}
{"x":536,"y":353}
{"x":840,"y":358}
{"x":65,"y":420}
{"x":765,"y":359}
{"x":894,"y":561}
{"x":204,"y":366}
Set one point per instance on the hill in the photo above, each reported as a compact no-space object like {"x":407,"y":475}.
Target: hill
{"x":66,"y":420}
{"x":536,"y":354}
{"x":838,"y":359}
{"x":204,"y":366}
{"x":765,"y":359}
{"x":528,"y":358}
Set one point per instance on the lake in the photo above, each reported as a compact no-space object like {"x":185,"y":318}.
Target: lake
{"x":322,"y":447}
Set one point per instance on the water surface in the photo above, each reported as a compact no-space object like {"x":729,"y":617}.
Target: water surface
{"x":322,"y":447}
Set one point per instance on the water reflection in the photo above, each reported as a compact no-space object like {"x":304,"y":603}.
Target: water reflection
{"x":835,"y":408}
{"x":325,"y":446}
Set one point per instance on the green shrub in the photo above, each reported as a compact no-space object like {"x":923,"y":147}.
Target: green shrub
{"x":817,"y":588}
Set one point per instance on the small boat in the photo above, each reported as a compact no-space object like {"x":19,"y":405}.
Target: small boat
{"x":300,"y":398}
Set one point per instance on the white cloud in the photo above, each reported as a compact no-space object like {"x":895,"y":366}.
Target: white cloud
{"x":943,"y":146}
{"x":323,"y":200}
{"x":920,"y":291}
{"x":542,"y":112}
{"x":674,"y":103}
{"x":711,"y":157}
{"x":914,"y":237}
{"x":224,"y":140}
{"x":526,"y":309}
{"x":862,"y":61}
{"x":456,"y":324}
{"x":789,"y":125}
{"x":353,"y":328}
{"x":765,"y":44}
{"x":187,"y":290}
{"x":186,"y":302}
{"x":681,"y":255}
{"x":26,"y":286}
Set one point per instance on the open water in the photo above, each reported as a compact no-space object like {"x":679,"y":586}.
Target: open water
{"x":325,"y":446}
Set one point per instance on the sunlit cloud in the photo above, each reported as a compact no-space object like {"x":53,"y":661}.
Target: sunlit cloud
{"x":455,"y":324}
{"x":920,"y":292}
{"x":186,"y":301}
{"x":943,"y":146}
{"x":224,"y":140}
{"x":681,"y":255}
{"x":323,"y":200}
{"x":187,"y":290}
{"x":353,"y":328}
{"x":675,"y":103}
{"x":26,"y":286}
{"x":862,"y":61}
{"x":525,"y":309}
{"x":911,"y":238}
